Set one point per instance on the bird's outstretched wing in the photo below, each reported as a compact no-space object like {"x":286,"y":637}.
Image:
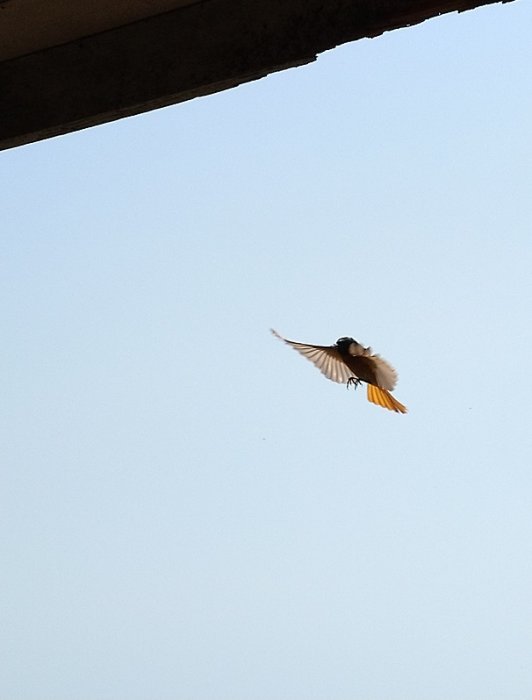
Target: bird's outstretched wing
{"x":385,"y":375}
{"x":326,"y":358}
{"x":383,"y":398}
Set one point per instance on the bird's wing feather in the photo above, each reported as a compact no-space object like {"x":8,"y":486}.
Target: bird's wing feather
{"x":385,"y":374}
{"x":325,"y":357}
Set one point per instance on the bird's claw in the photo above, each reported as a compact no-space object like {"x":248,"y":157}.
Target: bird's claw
{"x":353,"y":380}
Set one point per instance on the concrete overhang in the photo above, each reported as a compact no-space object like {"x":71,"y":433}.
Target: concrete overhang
{"x":67,"y":65}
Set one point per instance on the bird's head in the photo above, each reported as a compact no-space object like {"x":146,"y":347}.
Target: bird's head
{"x":350,"y":345}
{"x":345,"y":342}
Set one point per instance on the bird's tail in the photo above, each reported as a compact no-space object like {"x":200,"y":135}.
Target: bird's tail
{"x":383,"y":398}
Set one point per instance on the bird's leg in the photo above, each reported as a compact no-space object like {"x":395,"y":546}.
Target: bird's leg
{"x":353,"y":380}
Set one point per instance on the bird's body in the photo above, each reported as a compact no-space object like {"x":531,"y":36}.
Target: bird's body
{"x":347,"y":362}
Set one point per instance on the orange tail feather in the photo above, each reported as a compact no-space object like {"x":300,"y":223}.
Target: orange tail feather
{"x":383,"y":398}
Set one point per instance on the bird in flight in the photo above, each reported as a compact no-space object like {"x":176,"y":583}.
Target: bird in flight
{"x":349,"y":362}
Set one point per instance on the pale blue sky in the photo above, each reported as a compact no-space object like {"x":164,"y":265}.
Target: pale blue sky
{"x":189,"y":510}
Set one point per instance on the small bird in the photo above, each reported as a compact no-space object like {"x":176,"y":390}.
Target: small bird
{"x":349,"y":362}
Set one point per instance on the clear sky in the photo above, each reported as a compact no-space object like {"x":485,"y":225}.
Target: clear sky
{"x":188,"y":509}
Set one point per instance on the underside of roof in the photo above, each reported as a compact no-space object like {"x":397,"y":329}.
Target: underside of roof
{"x":67,"y":65}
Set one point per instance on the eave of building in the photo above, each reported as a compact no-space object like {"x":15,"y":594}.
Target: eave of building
{"x":62,"y":70}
